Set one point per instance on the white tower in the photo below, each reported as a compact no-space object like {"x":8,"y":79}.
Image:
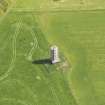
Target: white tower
{"x":54,"y":55}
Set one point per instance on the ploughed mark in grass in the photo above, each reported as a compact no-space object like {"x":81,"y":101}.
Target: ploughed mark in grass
{"x":42,"y":61}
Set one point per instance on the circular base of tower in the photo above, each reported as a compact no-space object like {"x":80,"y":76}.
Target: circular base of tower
{"x":55,"y":61}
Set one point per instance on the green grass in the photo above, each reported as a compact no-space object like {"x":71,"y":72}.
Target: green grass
{"x":21,"y":81}
{"x":60,"y":4}
{"x":80,"y":36}
{"x":26,"y":37}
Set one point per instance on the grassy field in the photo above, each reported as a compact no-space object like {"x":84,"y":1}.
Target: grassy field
{"x":22,"y":81}
{"x":80,"y":36}
{"x":60,"y":4}
{"x":26,"y":33}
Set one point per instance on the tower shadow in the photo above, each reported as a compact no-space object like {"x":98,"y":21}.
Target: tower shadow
{"x":42,"y":61}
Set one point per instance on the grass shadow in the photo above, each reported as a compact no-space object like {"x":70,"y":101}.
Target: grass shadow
{"x":42,"y":61}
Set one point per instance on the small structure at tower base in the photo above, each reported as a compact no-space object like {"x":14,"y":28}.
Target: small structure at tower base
{"x":54,"y":54}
